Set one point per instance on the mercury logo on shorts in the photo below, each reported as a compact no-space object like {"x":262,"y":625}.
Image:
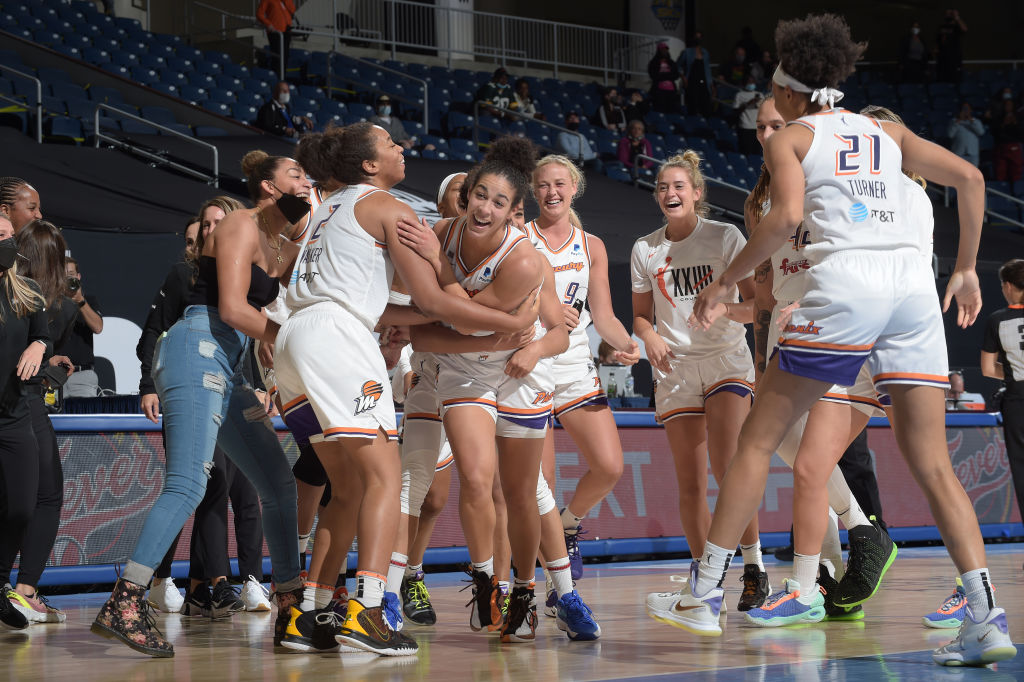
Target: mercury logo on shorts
{"x":372,"y":391}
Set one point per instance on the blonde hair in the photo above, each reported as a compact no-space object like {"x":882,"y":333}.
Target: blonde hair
{"x":689,"y":161}
{"x":574,"y":173}
{"x":881,"y":113}
{"x":23,"y":297}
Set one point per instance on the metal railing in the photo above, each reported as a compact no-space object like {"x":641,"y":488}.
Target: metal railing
{"x":460,"y":34}
{"x":162,"y":160}
{"x":424,"y":102}
{"x":989,"y":213}
{"x":39,"y":98}
{"x":227,"y":32}
{"x":477,"y":127}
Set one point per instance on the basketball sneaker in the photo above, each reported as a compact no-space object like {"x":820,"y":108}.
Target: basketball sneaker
{"x":756,"y":588}
{"x":313,"y":631}
{"x":575,"y":618}
{"x":166,"y":597}
{"x":521,"y":620}
{"x":872,"y":552}
{"x":484,"y":611}
{"x":683,"y":609}
{"x":504,"y":594}
{"x":224,"y":601}
{"x":550,"y":599}
{"x":254,"y":595}
{"x":10,"y":617}
{"x":572,"y":546}
{"x":951,"y":613}
{"x":416,"y":600}
{"x":828,"y":586}
{"x":25,"y":607}
{"x":198,"y":602}
{"x":783,"y":608}
{"x":339,"y":601}
{"x":392,"y":611}
{"x":366,"y":629}
{"x":53,"y":614}
{"x":978,"y":642}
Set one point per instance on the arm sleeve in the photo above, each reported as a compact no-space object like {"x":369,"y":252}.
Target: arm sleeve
{"x":39,"y":330}
{"x":991,"y":344}
{"x":638,"y":270}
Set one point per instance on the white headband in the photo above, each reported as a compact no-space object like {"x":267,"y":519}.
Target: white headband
{"x":444,"y":186}
{"x":824,"y":96}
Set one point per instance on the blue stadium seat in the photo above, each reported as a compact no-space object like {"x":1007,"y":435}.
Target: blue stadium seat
{"x":145,"y":75}
{"x":83,"y":109}
{"x":178,"y":128}
{"x":210,"y":131}
{"x":54,"y":106}
{"x":202,"y":80}
{"x":223,"y":96}
{"x":95,"y":56}
{"x":159,"y":115}
{"x":166,"y":88}
{"x":179,"y":64}
{"x":244,"y":112}
{"x":63,"y":129}
{"x":68,"y":91}
{"x":219,"y":108}
{"x":254,"y":98}
{"x":98,"y":93}
{"x":225,"y":82}
{"x":211,"y":68}
{"x":173,"y":77}
{"x":459,"y":123}
{"x":235,"y":71}
{"x":193,"y":93}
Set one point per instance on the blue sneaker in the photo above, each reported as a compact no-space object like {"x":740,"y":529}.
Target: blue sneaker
{"x":951,"y":613}
{"x":392,"y":610}
{"x":572,"y":538}
{"x":783,"y":608}
{"x":575,"y":618}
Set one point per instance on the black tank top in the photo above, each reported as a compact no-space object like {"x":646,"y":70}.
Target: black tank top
{"x":262,"y":287}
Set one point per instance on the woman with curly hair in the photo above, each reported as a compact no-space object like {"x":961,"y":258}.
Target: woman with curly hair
{"x":869,"y":298}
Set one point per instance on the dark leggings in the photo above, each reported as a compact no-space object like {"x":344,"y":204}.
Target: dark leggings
{"x":19,"y":479}
{"x":1013,"y":435}
{"x":245,"y":506}
{"x":859,"y":471}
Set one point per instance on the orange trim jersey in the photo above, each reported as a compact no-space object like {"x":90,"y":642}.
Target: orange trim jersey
{"x":571,"y":263}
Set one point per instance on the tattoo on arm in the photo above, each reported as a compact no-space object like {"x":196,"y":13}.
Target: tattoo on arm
{"x":762,"y":272}
{"x":762,"y":322}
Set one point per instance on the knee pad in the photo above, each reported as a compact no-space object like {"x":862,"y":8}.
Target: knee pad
{"x":308,"y":469}
{"x":545,"y":499}
{"x":420,"y":444}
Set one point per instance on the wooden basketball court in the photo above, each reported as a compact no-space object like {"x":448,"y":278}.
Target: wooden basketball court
{"x":889,"y":644}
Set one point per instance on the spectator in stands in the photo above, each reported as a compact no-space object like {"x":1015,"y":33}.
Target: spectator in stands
{"x":191,"y":234}
{"x":78,"y":346}
{"x":610,"y":114}
{"x":735,"y":71}
{"x":749,"y":45}
{"x":19,"y":202}
{"x":633,"y":145}
{"x":664,"y":73}
{"x":949,"y":55}
{"x":763,"y":69}
{"x":276,"y":117}
{"x":746,"y":103}
{"x":957,"y":399}
{"x":695,"y":67}
{"x":1008,"y":132}
{"x":276,"y":16}
{"x":497,"y":92}
{"x":523,"y":101}
{"x":637,"y":107}
{"x":913,"y":56}
{"x":964,"y":133}
{"x":577,"y":147}
{"x":386,"y":119}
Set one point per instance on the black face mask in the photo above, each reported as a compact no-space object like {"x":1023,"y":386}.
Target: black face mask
{"x":572,"y":125}
{"x":8,"y":253}
{"x":293,"y":208}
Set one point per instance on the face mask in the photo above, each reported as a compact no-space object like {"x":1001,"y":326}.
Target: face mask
{"x":751,"y":86}
{"x":572,"y":125}
{"x":1007,"y":95}
{"x":293,"y":208}
{"x":284,"y":98}
{"x":915,"y":30}
{"x":8,"y":253}
{"x":384,"y":110}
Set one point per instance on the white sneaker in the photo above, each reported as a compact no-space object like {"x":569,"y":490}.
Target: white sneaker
{"x":255,"y":596}
{"x":978,"y":643}
{"x":166,"y":597}
{"x":699,"y":615}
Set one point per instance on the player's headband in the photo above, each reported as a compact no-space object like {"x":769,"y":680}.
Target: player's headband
{"x":826,"y":96}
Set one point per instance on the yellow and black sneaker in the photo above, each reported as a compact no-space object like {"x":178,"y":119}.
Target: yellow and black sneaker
{"x":366,"y":629}
{"x":313,"y":631}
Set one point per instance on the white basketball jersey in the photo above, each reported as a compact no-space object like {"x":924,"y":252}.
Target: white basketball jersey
{"x":340,"y":262}
{"x":789,"y":264}
{"x":922,"y":215}
{"x":855,"y":196}
{"x":675,"y":272}
{"x":571,"y":263}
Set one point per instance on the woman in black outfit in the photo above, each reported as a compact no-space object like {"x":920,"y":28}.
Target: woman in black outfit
{"x":1002,"y":357}
{"x":43,"y":249}
{"x":664,"y":73}
{"x":24,"y":343}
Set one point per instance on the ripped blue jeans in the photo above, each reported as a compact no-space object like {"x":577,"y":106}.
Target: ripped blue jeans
{"x":206,"y":402}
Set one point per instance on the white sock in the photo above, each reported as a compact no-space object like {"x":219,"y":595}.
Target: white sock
{"x":344,"y":566}
{"x":831,"y":549}
{"x":504,"y":585}
{"x":308,"y":597}
{"x":303,"y":543}
{"x":569,"y":520}
{"x":980,"y":594}
{"x":561,"y":576}
{"x":322,"y":595}
{"x":711,"y":571}
{"x":370,"y":588}
{"x":520,"y":582}
{"x":413,"y":569}
{"x":805,"y":571}
{"x":396,"y":571}
{"x":752,"y":555}
{"x":486,"y":567}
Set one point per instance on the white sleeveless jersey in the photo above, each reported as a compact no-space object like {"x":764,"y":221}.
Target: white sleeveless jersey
{"x":278,"y":308}
{"x":340,"y":262}
{"x":855,"y":195}
{"x":675,"y":272}
{"x":922,"y":214}
{"x":571,"y":263}
{"x":474,"y":280}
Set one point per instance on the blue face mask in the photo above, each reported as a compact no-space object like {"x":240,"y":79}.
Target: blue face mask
{"x":385,"y":110}
{"x":751,"y":86}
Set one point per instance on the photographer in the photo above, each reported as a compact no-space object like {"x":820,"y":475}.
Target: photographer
{"x":78,"y":346}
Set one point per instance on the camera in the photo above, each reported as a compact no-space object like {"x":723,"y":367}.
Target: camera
{"x":74,"y":284}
